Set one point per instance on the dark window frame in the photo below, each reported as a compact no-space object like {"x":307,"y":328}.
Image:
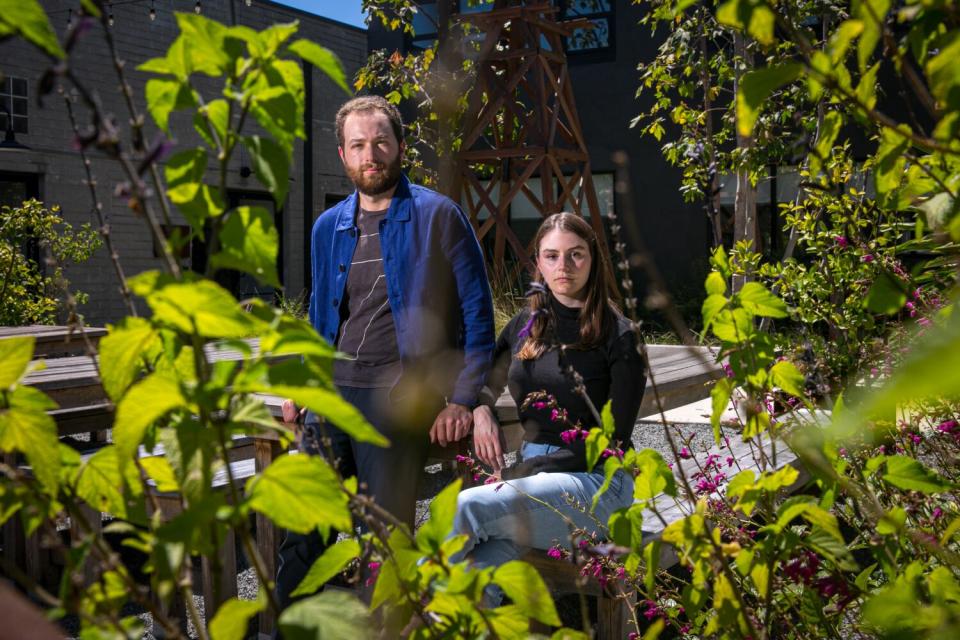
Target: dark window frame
{"x":15,"y":98}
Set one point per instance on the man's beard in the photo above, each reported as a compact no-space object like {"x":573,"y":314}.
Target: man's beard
{"x":376,"y":184}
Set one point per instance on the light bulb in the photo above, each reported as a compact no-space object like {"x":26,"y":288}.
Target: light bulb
{"x":110,"y":20}
{"x":197,"y":8}
{"x":153,"y":14}
{"x":249,"y":2}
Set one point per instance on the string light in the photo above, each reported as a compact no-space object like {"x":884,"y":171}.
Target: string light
{"x":248,"y":2}
{"x":110,"y":14}
{"x":197,"y":8}
{"x":153,"y":12}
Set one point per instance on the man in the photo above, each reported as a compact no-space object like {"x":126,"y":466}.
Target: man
{"x":399,"y":286}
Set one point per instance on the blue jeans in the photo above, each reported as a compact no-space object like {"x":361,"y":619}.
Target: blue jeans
{"x":504,"y":523}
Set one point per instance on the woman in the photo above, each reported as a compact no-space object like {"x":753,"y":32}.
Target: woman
{"x":573,"y":309}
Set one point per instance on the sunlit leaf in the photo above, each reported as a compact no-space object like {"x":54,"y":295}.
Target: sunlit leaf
{"x":323,"y":59}
{"x":249,"y":243}
{"x":522,"y":584}
{"x":300,"y":493}
{"x":335,"y":559}
{"x":331,"y":615}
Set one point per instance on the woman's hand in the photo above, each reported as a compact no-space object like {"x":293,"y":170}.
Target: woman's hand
{"x":486,"y":438}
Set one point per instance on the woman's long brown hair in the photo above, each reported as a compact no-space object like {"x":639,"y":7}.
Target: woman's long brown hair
{"x":598,"y":312}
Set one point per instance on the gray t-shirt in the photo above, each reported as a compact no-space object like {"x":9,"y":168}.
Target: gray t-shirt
{"x":367,"y":333}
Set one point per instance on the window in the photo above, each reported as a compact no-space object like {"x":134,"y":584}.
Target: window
{"x":589,"y":41}
{"x":13,"y":101}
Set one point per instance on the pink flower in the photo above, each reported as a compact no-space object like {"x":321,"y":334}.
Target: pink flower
{"x":374,"y":568}
{"x":841,"y":241}
{"x":937,"y":513}
{"x":685,"y":454}
{"x":728,"y":370}
{"x":491,"y":480}
{"x":555,"y":553}
{"x":730,"y":461}
{"x":947,"y":426}
{"x":867,"y":257}
{"x":539,"y":405}
{"x":923,"y":322}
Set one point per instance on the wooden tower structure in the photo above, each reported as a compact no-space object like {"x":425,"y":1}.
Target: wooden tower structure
{"x":521,"y":125}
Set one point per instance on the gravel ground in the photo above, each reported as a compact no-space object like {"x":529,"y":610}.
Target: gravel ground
{"x":645,"y":435}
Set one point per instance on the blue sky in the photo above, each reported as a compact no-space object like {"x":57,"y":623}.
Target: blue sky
{"x":347,"y":11}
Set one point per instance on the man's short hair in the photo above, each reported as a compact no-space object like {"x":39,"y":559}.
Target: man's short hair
{"x":370,"y":103}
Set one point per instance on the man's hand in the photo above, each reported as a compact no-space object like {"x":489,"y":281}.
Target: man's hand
{"x":452,"y":424}
{"x":486,"y":438}
{"x":293,"y":416}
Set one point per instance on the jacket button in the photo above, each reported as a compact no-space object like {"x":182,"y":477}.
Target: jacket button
{"x":342,"y":268}
{"x":335,"y":301}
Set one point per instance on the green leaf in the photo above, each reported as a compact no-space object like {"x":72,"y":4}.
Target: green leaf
{"x":300,"y":493}
{"x":719,"y":399}
{"x":596,"y":443}
{"x":202,"y":307}
{"x":840,"y":41}
{"x":892,"y":521}
{"x":271,"y":38}
{"x":165,"y":95}
{"x":292,"y":380}
{"x":829,"y":130}
{"x":271,"y":162}
{"x":785,"y":375}
{"x":943,"y":73}
{"x":26,"y":18}
{"x":755,"y":298}
{"x":890,"y":160}
{"x":910,"y":474}
{"x":101,"y":481}
{"x":334,"y":560}
{"x":249,"y":242}
{"x":276,"y":111}
{"x":233,"y":617}
{"x":529,"y":593}
{"x":872,"y":14}
{"x":15,"y":355}
{"x":755,"y":87}
{"x":121,"y":354}
{"x":159,"y":470}
{"x":886,"y":295}
{"x":867,"y":89}
{"x":323,"y":59}
{"x":755,"y":16}
{"x":26,"y":427}
{"x":653,"y":476}
{"x":610,"y":466}
{"x":827,"y":545}
{"x":733,"y":326}
{"x":743,"y":486}
{"x":205,"y":43}
{"x":443,"y":508}
{"x":712,"y":306}
{"x":331,"y":615}
{"x":715,"y":284}
{"x":606,"y":418}
{"x":144,"y":403}
{"x":197,"y":202}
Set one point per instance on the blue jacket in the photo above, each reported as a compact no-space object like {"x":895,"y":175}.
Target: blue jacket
{"x":436,"y":286}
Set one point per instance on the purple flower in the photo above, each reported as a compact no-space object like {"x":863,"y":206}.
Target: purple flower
{"x":947,"y":426}
{"x":611,"y":452}
{"x":730,"y":461}
{"x":539,"y":405}
{"x":937,"y":513}
{"x":923,"y":322}
{"x":841,"y":241}
{"x":685,"y":454}
{"x":867,"y":257}
{"x":728,"y":370}
{"x":554,"y":552}
{"x":558,"y":415}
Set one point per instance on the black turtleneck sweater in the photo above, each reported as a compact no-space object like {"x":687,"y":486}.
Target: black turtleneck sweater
{"x":613,"y":371}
